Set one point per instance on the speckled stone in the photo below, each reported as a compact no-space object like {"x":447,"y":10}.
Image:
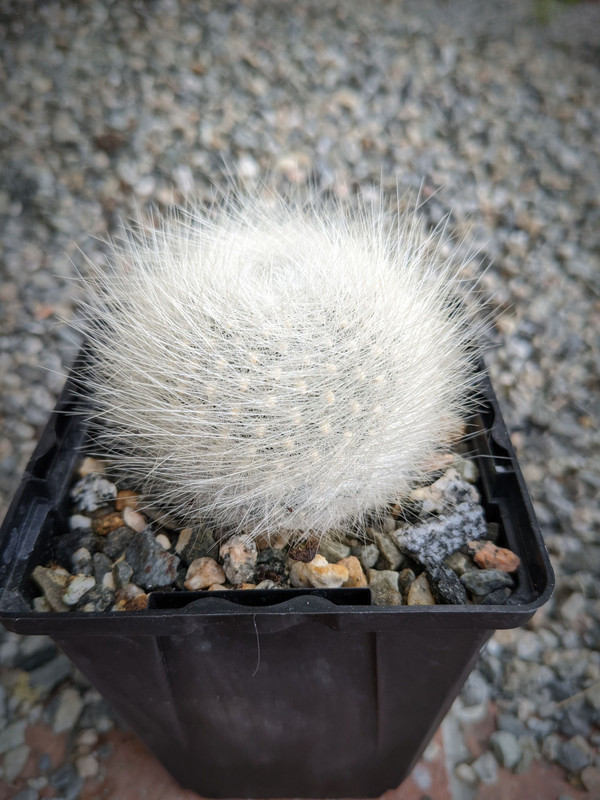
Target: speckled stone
{"x":432,"y":541}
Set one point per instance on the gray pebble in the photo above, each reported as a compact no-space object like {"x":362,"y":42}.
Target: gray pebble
{"x":152,"y":565}
{"x":384,"y":587}
{"x":431,"y":542}
{"x":486,"y":768}
{"x":116,"y":542}
{"x":12,"y":736}
{"x":26,"y":794}
{"x":529,"y":751}
{"x":67,"y":711}
{"x":48,"y":676}
{"x":459,"y":562}
{"x":391,"y":557}
{"x":197,"y":542}
{"x":512,"y":724}
{"x":367,"y":554}
{"x":476,"y":689}
{"x":122,"y":573}
{"x":446,"y":586}
{"x":484,"y":581}
{"x":496,"y":598}
{"x":102,"y":566}
{"x":333,"y":550}
{"x":66,"y":780}
{"x":81,"y":561}
{"x":506,"y":748}
{"x":574,"y":755}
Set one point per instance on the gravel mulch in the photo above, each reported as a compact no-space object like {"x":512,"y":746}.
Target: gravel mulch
{"x":493,"y":110}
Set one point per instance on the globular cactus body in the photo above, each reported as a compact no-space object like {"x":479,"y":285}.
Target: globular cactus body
{"x":278,"y":367}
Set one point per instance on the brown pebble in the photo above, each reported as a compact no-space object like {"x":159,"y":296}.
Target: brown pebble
{"x":304,"y":551}
{"x":487,"y":555}
{"x":104,"y":525}
{"x":91,"y":466}
{"x":276,"y":541}
{"x":356,"y":576}
{"x":406,"y":579}
{"x":137,"y":603}
{"x":419,"y":593}
{"x":323,"y":575}
{"x":126,"y":499}
{"x":202,"y":573}
{"x":245,"y":586}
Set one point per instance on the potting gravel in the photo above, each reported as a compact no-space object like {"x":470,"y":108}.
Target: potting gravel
{"x":493,"y":110}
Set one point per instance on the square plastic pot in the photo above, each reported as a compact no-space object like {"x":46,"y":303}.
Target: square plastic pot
{"x":273,"y":694}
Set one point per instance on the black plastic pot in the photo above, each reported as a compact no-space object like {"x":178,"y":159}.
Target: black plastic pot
{"x":273,"y":694}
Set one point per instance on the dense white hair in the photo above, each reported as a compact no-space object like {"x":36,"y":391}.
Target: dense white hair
{"x":273,"y":364}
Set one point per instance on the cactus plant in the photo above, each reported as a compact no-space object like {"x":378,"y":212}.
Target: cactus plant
{"x":278,"y":365}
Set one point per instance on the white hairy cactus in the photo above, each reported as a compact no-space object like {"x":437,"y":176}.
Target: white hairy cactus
{"x":278,"y":365}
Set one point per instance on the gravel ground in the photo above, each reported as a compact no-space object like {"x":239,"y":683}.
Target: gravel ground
{"x":493,"y":108}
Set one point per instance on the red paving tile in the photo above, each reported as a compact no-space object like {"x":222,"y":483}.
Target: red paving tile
{"x":130,"y":772}
{"x":542,"y":781}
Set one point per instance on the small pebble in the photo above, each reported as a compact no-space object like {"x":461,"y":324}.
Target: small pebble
{"x":52,"y":582}
{"x":497,"y":597}
{"x":446,"y":586}
{"x":332,"y":549}
{"x":298,"y":576}
{"x":68,"y":710}
{"x":126,"y":499}
{"x":239,"y":559}
{"x":91,"y":466}
{"x":406,"y":578}
{"x":458,"y":562}
{"x":163,"y":541}
{"x":134,"y":520}
{"x":202,"y":573}
{"x":431,"y":542}
{"x":465,"y":773}
{"x":121,"y":573}
{"x":590,"y":777}
{"x":87,"y":766}
{"x":482,"y":582}
{"x":79,"y":522}
{"x":305,"y":550}
{"x":367,"y":554}
{"x":391,"y":557}
{"x":14,"y":761}
{"x":574,"y":755}
{"x":486,"y":768}
{"x":506,"y":748}
{"x":81,"y":561}
{"x":77,"y":586}
{"x":356,"y":576}
{"x":487,"y":555}
{"x":102,"y":526}
{"x":420,"y":593}
{"x":384,"y":587}
{"x":323,"y":575}
{"x":93,"y":492}
{"x":137,"y":603}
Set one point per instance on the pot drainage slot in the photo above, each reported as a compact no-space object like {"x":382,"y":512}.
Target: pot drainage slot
{"x":260,"y":597}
